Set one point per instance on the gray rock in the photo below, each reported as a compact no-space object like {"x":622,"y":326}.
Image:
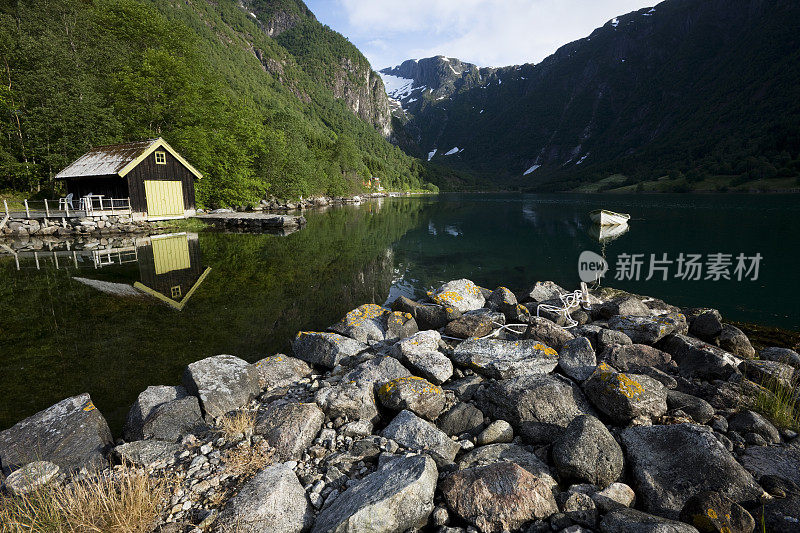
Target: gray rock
{"x":350,"y":400}
{"x":281,"y":371}
{"x":625,"y":396}
{"x":615,"y":496}
{"x":632,"y":521}
{"x":658,"y":375}
{"x":31,"y":477}
{"x":71,"y":434}
{"x":508,"y":453}
{"x":548,"y":333}
{"x":632,"y":356}
{"x":469,"y":325}
{"x":751,"y":422}
{"x":147,"y":452}
{"x":707,"y":325}
{"x":579,"y":507}
{"x":426,"y":316}
{"x":497,"y":432}
{"x":367,"y":323}
{"x":769,"y":372}
{"x":733,"y":340}
{"x":782,"y":462}
{"x":700,"y":410}
{"x":697,"y":359}
{"x":498,"y":497}
{"x":539,"y":406}
{"x":577,"y":358}
{"x":376,"y":372}
{"x":669,"y":464}
{"x":396,"y":498}
{"x":648,"y":329}
{"x":606,"y":338}
{"x":461,"y":418}
{"x":461,"y":294}
{"x":466,"y":387}
{"x":148,"y":400}
{"x":712,"y":512}
{"x":172,"y":420}
{"x":420,"y":352}
{"x":781,"y":355}
{"x":273,"y":500}
{"x":325,"y":349}
{"x":543,"y":291}
{"x":780,"y":515}
{"x":587,"y":453}
{"x":414,"y":433}
{"x":290,"y":428}
{"x":624,"y":305}
{"x":504,"y":301}
{"x":415,"y":394}
{"x":400,"y":325}
{"x":223,"y":383}
{"x":502,"y":359}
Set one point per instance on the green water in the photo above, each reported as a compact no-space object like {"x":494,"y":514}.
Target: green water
{"x":59,"y":337}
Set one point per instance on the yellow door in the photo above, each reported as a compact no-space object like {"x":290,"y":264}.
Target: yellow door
{"x":164,"y":198}
{"x":170,"y":252}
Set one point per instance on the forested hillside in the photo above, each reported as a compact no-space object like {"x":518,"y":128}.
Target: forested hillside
{"x":207,"y":76}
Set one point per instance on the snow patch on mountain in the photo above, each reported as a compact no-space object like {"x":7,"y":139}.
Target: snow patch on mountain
{"x":532,"y":169}
{"x":397,"y":87}
{"x":431,"y":154}
{"x":453,"y":151}
{"x":583,"y":158}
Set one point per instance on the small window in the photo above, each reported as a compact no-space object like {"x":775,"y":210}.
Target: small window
{"x":161,"y":158}
{"x":176,"y":292}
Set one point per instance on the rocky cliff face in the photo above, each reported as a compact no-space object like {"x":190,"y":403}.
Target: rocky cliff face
{"x":363,"y":91}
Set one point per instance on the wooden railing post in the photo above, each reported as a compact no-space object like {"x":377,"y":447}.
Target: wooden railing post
{"x":46,"y":208}
{"x":27,"y":211}
{"x":5,"y":203}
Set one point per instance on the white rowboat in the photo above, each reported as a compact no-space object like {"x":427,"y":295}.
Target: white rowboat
{"x":609,"y":218}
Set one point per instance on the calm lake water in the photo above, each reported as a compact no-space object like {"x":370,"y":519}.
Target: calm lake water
{"x":247,"y":295}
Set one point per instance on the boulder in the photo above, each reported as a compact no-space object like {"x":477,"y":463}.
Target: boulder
{"x":577,"y":358}
{"x":148,"y":400}
{"x":781,"y":355}
{"x":144,"y":453}
{"x":504,"y":301}
{"x":376,"y":372}
{"x":461,"y":294}
{"x":470,"y":325}
{"x":502,"y":359}
{"x":623,"y":397}
{"x":367,"y":323}
{"x":543,"y":291}
{"x":170,"y":421}
{"x":325,"y":349}
{"x":624,"y":306}
{"x":427,"y":316}
{"x":420,"y":352}
{"x":281,"y":371}
{"x":707,"y":325}
{"x":223,"y":383}
{"x":768,"y":373}
{"x":648,"y":329}
{"x":780,"y":515}
{"x":71,"y":434}
{"x":712,"y":512}
{"x":539,"y":406}
{"x":497,"y":432}
{"x":548,"y":332}
{"x":508,"y":453}
{"x":400,"y":325}
{"x":466,"y":387}
{"x":418,"y":395}
{"x":633,"y":356}
{"x":396,"y":498}
{"x":733,"y":340}
{"x":31,"y":478}
{"x":606,"y":338}
{"x":633,"y":521}
{"x":414,"y":433}
{"x":290,"y":428}
{"x":700,"y":410}
{"x":669,"y":464}
{"x":273,"y":500}
{"x":498,"y":497}
{"x":752,"y":422}
{"x":349,"y":400}
{"x":697,"y":359}
{"x":615,"y":496}
{"x":782,"y":462}
{"x":461,"y":418}
{"x":578,"y":507}
{"x":586,"y":452}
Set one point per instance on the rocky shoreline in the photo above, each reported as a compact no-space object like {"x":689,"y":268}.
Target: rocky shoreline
{"x":440,"y":416}
{"x":17,"y":228}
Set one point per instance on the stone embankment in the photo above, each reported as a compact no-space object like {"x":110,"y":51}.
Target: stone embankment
{"x":431,"y":416}
{"x":73,"y":226}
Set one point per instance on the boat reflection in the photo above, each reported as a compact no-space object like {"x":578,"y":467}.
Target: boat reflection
{"x":606,"y":234}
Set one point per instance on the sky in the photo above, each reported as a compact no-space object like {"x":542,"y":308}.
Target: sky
{"x":489,"y":33}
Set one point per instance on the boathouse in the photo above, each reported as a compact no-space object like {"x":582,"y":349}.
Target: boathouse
{"x":149,"y":176}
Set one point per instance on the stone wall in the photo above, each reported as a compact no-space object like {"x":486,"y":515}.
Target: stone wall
{"x":62,"y":226}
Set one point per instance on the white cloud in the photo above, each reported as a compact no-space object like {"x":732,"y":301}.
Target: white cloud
{"x":486,"y":32}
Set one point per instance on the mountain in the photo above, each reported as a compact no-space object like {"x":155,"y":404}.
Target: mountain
{"x":688,"y":94}
{"x":257,"y":94}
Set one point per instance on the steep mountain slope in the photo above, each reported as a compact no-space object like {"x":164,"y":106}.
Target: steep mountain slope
{"x":213,"y":78}
{"x":688,"y":90}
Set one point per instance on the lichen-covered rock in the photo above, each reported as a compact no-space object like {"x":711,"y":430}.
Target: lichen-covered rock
{"x":586,"y":452}
{"x":427,"y":316}
{"x":543,"y":291}
{"x":415,"y":394}
{"x":700,"y":410}
{"x":414,"y":433}
{"x":539,"y":406}
{"x":148,"y":400}
{"x":733,"y":340}
{"x":670,"y":464}
{"x":469,"y":326}
{"x":350,"y":400}
{"x":325,"y":349}
{"x":290,"y":428}
{"x":273,"y":500}
{"x":502,"y":359}
{"x":396,"y":498}
{"x":364,"y":324}
{"x":461,"y":294}
{"x":400,"y":325}
{"x":648,"y":329}
{"x":633,"y":521}
{"x":608,"y":338}
{"x":147,"y":452}
{"x":498,"y":497}
{"x":712,"y":512}
{"x":633,"y":356}
{"x":548,"y":333}
{"x":420,"y":352}
{"x":71,"y":434}
{"x":281,"y":370}
{"x":697,"y":359}
{"x":625,"y":396}
{"x":504,"y":301}
{"x":31,"y":478}
{"x":577,"y":358}
{"x":375,"y":372}
{"x":461,"y":418}
{"x":223,"y":383}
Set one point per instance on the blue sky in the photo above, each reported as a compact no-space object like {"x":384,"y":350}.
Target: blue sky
{"x":485,"y":32}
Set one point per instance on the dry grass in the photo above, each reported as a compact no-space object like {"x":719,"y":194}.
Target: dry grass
{"x":246,"y":461}
{"x":238,"y":424}
{"x":123,"y":501}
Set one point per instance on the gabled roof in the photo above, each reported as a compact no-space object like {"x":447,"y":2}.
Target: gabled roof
{"x":118,"y":159}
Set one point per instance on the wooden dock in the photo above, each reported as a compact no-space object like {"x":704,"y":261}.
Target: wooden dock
{"x":255,"y":220}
